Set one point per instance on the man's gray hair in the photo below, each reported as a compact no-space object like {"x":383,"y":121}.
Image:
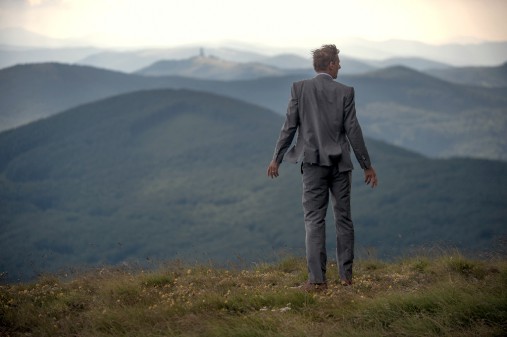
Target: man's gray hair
{"x":323,"y":56}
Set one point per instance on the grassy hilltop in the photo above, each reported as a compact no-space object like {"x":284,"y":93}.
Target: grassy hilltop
{"x":441,"y":296}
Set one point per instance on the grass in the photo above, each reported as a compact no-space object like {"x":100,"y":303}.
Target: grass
{"x":448,"y":295}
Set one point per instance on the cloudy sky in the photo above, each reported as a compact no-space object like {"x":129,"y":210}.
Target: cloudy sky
{"x":291,"y":23}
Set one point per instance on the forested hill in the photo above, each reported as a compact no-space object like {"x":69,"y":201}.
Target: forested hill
{"x":181,"y":174}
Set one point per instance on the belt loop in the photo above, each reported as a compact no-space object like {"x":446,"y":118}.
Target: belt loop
{"x":301,"y":167}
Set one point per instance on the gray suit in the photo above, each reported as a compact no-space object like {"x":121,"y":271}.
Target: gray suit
{"x":323,"y":113}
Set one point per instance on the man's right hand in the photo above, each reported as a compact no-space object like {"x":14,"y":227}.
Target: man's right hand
{"x":273,"y":169}
{"x":370,"y":177}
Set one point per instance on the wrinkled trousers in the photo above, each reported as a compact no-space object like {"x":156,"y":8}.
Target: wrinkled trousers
{"x":318,"y":183}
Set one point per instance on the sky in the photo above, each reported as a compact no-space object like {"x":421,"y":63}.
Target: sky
{"x":291,"y":23}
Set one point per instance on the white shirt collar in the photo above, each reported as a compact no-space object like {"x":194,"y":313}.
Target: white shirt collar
{"x":324,"y":74}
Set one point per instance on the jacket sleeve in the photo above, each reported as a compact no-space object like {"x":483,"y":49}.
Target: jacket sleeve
{"x":289,"y":127}
{"x":353,"y":131}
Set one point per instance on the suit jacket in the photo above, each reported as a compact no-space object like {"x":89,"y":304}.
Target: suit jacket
{"x":323,"y":113}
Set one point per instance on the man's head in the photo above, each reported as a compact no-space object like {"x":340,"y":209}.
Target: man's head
{"x":326,"y":60}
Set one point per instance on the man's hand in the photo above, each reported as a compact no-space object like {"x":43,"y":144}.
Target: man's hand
{"x":273,"y":169}
{"x":370,"y":177}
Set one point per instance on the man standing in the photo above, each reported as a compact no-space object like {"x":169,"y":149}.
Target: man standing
{"x":324,"y":114}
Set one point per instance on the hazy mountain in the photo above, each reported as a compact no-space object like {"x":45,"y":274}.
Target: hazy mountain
{"x":293,"y":61}
{"x":431,"y":116}
{"x":425,"y":91}
{"x":181,"y":174}
{"x":483,"y":76}
{"x":397,"y":105}
{"x":30,"y":92}
{"x":466,"y":54}
{"x":10,"y":56}
{"x":129,"y":61}
{"x":212,"y":68}
{"x":416,"y":63}
{"x":33,"y":91}
{"x":354,"y":66}
{"x":133,"y":60}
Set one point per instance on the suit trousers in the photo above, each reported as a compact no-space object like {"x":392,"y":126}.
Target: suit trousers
{"x":318,"y":183}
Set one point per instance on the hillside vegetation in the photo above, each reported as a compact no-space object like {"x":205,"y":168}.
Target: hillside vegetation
{"x":180,"y":174}
{"x":447,"y":295}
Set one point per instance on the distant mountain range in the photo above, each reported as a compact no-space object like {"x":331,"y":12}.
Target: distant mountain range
{"x":179,"y":174}
{"x":134,"y":60}
{"x":397,"y":104}
{"x":431,"y":116}
{"x":10,"y":56}
{"x":455,"y":54}
{"x":18,"y":46}
{"x":213,"y":68}
{"x":416,"y":63}
{"x":483,"y":76}
{"x":471,"y":54}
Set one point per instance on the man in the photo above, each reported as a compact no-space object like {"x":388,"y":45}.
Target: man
{"x":323,"y":112}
